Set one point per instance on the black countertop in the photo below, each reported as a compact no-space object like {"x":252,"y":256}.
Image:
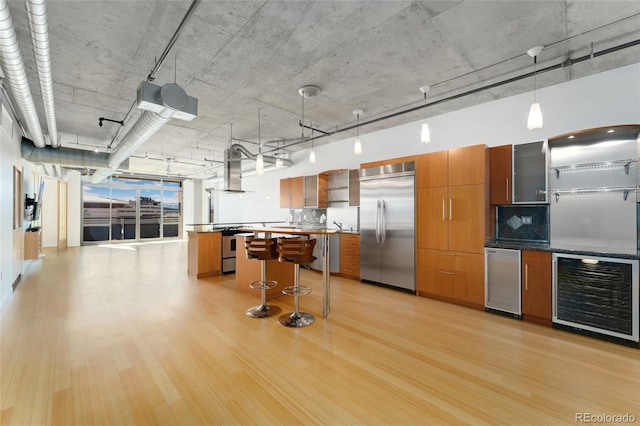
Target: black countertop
{"x":622,"y":253}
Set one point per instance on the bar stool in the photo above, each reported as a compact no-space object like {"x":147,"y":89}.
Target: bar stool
{"x":298,"y":251}
{"x":262,"y":249}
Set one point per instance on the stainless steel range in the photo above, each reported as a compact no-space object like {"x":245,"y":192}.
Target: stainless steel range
{"x":228,"y":248}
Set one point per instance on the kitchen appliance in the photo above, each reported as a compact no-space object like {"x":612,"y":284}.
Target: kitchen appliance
{"x":596,"y":295}
{"x":334,"y":254}
{"x":387,"y":223}
{"x":228,"y":248}
{"x":502,"y":285}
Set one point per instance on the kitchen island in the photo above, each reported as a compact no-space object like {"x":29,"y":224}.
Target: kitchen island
{"x":326,"y":271}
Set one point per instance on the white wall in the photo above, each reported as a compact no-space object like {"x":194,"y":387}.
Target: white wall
{"x":74,"y":208}
{"x":49,"y":213}
{"x":608,"y":98}
{"x":10,"y":254}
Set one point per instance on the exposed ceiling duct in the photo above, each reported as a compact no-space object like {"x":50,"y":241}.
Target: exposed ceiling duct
{"x":16,"y":75}
{"x":160,"y":105}
{"x":233,"y":165}
{"x":37,"y":15}
{"x":65,"y":156}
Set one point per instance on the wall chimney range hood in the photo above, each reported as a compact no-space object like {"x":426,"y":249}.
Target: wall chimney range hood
{"x":233,"y":165}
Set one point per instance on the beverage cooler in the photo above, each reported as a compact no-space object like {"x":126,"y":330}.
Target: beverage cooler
{"x":596,"y":295}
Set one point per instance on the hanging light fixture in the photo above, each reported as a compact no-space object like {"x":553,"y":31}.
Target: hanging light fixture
{"x":425,"y":134}
{"x":308,"y":91}
{"x":279,"y":160}
{"x":535,"y":114}
{"x":357,"y":146}
{"x":312,"y":153}
{"x":259,"y":159}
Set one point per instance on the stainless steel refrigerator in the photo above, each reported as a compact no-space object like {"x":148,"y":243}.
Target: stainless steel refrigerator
{"x":387,"y":225}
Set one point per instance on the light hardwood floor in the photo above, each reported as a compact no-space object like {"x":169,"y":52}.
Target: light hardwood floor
{"x":122,"y":335}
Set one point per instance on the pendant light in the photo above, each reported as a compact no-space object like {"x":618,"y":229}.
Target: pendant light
{"x":357,"y":146}
{"x":535,"y":114}
{"x":425,"y":134}
{"x":279,"y":160}
{"x":308,"y":91}
{"x":259,"y":159}
{"x":312,"y":153}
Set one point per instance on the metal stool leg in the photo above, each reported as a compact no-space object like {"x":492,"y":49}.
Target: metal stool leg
{"x":263,"y":310}
{"x":296,"y":318}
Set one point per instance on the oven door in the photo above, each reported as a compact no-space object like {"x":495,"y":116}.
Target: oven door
{"x":228,"y":254}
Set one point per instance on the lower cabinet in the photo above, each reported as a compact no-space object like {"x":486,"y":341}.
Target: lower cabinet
{"x":204,"y":254}
{"x":536,"y":287}
{"x":32,"y":244}
{"x":451,"y":276}
{"x":350,"y":256}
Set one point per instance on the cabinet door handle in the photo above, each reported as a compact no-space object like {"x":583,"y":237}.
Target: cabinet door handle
{"x":507,"y":189}
{"x":443,"y":253}
{"x":526,"y":277}
{"x":447,"y":273}
{"x":443,"y":209}
{"x":450,"y":208}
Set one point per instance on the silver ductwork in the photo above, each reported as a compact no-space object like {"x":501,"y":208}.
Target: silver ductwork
{"x":160,"y":105}
{"x":268,"y":159}
{"x":16,"y":75}
{"x":65,"y":156}
{"x":37,"y":15}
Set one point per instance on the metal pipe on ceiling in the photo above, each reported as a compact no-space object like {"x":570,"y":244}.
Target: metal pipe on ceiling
{"x":565,"y":63}
{"x":37,"y":16}
{"x":16,"y":75}
{"x":64,"y":156}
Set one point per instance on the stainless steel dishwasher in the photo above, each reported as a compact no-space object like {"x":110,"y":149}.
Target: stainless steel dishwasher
{"x":502,"y":282}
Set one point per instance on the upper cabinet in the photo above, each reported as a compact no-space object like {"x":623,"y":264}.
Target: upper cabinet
{"x":518,"y":174}
{"x":315,"y":191}
{"x":343,"y":188}
{"x":460,"y":166}
{"x":501,"y":174}
{"x":292,"y":193}
{"x":530,"y":173}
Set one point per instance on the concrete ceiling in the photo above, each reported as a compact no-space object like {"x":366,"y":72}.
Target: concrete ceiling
{"x":236,"y":57}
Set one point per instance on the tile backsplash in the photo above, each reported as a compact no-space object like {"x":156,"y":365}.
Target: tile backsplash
{"x":523,"y":223}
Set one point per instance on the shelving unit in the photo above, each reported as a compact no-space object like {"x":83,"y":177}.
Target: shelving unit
{"x":343,"y":188}
{"x":601,"y":165}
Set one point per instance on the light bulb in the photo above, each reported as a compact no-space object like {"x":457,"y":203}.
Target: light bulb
{"x":426,"y":134}
{"x":259,"y":165}
{"x":312,"y":156}
{"x":535,"y":117}
{"x":278,"y":163}
{"x":357,"y":147}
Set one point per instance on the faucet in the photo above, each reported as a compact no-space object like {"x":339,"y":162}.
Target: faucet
{"x":339,"y":225}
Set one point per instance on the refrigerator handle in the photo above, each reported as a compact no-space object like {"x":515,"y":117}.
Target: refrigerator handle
{"x":383,"y":230}
{"x":378,"y":222}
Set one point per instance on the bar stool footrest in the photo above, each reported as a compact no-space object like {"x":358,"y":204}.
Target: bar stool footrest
{"x":296,"y":319}
{"x":302,"y":290}
{"x":263,"y":285}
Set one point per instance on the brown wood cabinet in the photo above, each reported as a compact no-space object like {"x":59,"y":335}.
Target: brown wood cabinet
{"x":204,"y":254}
{"x":32,"y":245}
{"x":536,"y":287}
{"x":292,"y":193}
{"x":501,"y":174}
{"x":451,"y":276}
{"x":350,"y":256}
{"x":452,"y":223}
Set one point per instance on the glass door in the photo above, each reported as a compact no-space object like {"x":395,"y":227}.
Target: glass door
{"x":123,"y":213}
{"x":150,"y":213}
{"x":170,"y":213}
